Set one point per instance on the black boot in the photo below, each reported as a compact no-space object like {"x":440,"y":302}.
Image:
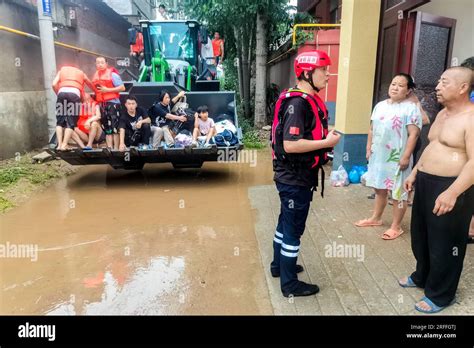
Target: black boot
{"x":276,"y":271}
{"x":302,"y":289}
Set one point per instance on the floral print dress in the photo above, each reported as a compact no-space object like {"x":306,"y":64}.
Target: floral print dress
{"x":389,"y":139}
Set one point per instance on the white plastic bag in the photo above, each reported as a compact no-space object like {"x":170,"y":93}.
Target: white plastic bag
{"x":223,"y":125}
{"x":339,"y":177}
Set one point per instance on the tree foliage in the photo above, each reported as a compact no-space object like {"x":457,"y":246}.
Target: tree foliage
{"x":236,"y":21}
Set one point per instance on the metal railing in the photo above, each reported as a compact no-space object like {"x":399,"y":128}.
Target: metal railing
{"x":57,"y":43}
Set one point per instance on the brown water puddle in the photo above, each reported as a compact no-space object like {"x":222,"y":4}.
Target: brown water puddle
{"x":159,"y":241}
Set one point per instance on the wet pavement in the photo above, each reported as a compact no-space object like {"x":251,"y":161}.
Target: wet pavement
{"x":164,"y":241}
{"x":356,"y":270}
{"x":159,"y":241}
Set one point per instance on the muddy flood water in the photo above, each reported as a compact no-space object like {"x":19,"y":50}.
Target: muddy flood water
{"x":156,"y":241}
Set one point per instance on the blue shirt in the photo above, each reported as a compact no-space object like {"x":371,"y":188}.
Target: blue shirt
{"x":117,"y":81}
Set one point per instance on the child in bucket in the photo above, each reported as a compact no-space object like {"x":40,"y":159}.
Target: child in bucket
{"x":204,"y":127}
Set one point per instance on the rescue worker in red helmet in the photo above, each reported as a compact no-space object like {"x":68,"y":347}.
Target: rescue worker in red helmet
{"x":300,"y":142}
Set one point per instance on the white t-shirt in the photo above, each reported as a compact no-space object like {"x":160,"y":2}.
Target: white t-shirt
{"x":73,"y":90}
{"x":207,"y":51}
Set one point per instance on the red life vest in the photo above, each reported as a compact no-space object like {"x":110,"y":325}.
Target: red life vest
{"x":71,"y":77}
{"x":314,"y":159}
{"x":104,"y":78}
{"x":87,"y":111}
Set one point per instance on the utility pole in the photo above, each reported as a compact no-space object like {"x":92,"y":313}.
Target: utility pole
{"x":48,"y":55}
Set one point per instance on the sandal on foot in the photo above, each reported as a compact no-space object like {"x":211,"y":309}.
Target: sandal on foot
{"x":408,"y":284}
{"x":409,"y":203}
{"x":391,"y":234}
{"x":433,"y":307}
{"x":68,"y":149}
{"x":367,"y":223}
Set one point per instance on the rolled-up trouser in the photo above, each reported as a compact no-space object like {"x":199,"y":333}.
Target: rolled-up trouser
{"x":439,"y":242}
{"x":295,"y":201}
{"x":169,"y":140}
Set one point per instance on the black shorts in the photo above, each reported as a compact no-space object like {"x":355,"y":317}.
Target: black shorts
{"x":67,"y":110}
{"x":110,"y":116}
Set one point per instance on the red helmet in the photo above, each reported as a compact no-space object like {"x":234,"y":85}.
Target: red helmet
{"x":308,"y":61}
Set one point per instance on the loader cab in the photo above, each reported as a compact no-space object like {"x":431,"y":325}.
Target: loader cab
{"x":177,"y":42}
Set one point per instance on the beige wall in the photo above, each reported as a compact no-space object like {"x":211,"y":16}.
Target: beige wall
{"x":463,"y":12}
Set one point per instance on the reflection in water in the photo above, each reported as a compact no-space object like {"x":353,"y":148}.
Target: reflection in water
{"x":115,"y":242}
{"x":162,"y":279}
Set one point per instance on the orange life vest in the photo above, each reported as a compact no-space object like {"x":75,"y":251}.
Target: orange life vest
{"x":71,"y":77}
{"x":138,"y":47}
{"x":87,"y":111}
{"x":104,"y":78}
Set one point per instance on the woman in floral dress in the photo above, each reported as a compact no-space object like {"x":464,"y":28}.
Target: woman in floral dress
{"x":395,"y":126}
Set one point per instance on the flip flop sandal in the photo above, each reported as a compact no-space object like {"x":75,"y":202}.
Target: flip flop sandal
{"x":470,"y":240}
{"x":409,"y":203}
{"x":367,"y":223}
{"x":408,"y":284}
{"x":69,"y":149}
{"x":433,"y":307}
{"x":391,"y":234}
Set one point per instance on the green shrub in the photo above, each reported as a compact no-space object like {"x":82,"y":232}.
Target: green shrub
{"x":5,"y":204}
{"x":252,"y":141}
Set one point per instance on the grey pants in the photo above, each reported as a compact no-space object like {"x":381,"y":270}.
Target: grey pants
{"x":159,"y":133}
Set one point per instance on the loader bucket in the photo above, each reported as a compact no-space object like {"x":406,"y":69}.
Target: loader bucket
{"x":221,"y":105}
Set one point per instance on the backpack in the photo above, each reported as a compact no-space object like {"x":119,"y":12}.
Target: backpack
{"x":225,"y":138}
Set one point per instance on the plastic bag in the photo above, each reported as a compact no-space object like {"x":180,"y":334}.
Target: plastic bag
{"x":354,"y":176}
{"x":182,"y":140}
{"x":361,"y":169}
{"x":339,"y":177}
{"x":225,"y":124}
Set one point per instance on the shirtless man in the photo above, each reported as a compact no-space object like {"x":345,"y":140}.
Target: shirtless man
{"x":444,"y":195}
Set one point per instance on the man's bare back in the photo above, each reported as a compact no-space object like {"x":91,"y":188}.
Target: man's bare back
{"x":446,"y":153}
